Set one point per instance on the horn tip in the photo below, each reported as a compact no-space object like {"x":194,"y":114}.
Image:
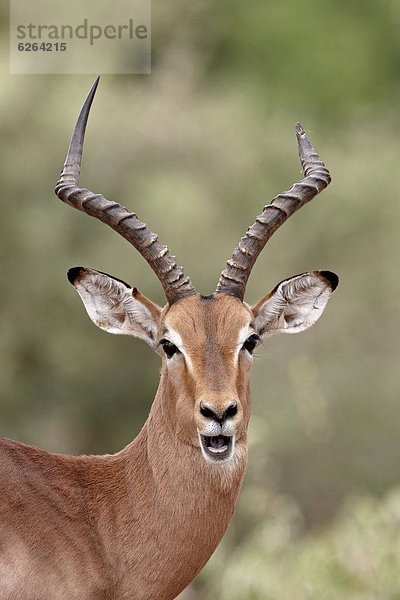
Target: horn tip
{"x":96,"y":83}
{"x":300,"y":132}
{"x":93,"y":88}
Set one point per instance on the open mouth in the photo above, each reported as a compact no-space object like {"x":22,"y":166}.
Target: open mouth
{"x":217,"y":447}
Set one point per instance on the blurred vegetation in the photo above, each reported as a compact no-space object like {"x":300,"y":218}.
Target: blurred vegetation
{"x":197,"y":148}
{"x":356,"y":559}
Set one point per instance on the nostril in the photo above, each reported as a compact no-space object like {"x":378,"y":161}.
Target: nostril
{"x":208,"y":412}
{"x":231,"y":411}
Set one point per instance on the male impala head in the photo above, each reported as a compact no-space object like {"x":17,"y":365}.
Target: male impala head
{"x":206,"y":342}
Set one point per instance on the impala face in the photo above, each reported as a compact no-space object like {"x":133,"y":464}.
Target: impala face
{"x":208,"y":344}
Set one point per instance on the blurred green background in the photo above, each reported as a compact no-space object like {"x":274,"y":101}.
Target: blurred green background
{"x":197,"y":148}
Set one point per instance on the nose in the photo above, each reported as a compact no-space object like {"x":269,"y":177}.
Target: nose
{"x":220,"y":416}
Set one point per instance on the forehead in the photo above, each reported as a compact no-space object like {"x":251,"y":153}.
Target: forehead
{"x":198,"y":318}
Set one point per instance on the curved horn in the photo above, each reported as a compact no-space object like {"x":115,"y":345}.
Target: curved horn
{"x":175,"y":283}
{"x":316,"y":178}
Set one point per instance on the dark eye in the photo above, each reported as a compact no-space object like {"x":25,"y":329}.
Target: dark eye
{"x":251,"y":343}
{"x":169,"y":348}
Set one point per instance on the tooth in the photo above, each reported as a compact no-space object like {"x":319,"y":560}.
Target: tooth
{"x":219,"y":450}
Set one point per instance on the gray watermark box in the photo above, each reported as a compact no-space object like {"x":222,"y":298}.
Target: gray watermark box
{"x":80,"y":36}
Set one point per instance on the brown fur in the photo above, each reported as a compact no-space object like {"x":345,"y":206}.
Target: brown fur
{"x":139,"y":524}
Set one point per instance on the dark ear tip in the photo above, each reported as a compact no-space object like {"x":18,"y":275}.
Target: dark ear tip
{"x":73,"y":273}
{"x":332,"y":278}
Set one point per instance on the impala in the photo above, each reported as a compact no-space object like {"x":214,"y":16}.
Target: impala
{"x":140,"y":524}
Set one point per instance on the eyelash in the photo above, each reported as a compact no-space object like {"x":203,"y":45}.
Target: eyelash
{"x":169,"y":348}
{"x":251,"y":343}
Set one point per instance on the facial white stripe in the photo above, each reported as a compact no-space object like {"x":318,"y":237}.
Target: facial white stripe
{"x":175,"y":338}
{"x":244,"y":333}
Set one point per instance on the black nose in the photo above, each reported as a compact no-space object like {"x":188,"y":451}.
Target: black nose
{"x":210,"y":413}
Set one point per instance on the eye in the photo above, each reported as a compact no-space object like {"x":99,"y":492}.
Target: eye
{"x":251,"y":343}
{"x":169,"y":348}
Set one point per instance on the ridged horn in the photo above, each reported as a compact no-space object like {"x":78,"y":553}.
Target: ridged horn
{"x":173,"y":279}
{"x":234,"y":278}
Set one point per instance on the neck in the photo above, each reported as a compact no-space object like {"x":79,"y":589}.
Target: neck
{"x":180,"y":504}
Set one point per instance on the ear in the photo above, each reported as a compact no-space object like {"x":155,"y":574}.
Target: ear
{"x":295,"y":304}
{"x":115,"y":306}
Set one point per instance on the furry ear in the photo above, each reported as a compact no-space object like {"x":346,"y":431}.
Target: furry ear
{"x":115,"y":306}
{"x":295,"y":304}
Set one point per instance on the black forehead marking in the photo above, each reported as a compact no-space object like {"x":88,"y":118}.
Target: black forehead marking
{"x":210,"y":297}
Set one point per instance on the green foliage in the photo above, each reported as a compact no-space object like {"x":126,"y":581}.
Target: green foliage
{"x":329,"y":58}
{"x":357,"y":558}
